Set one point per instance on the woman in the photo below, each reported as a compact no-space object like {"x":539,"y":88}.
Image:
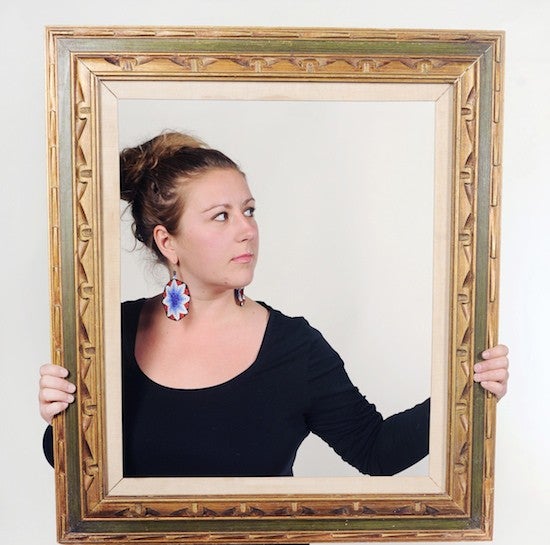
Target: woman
{"x":215,"y":383}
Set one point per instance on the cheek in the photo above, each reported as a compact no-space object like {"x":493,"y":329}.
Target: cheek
{"x":214,"y":248}
{"x":209,"y":246}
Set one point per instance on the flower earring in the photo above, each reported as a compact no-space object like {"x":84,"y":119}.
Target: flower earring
{"x":239,"y":296}
{"x":176,"y":298}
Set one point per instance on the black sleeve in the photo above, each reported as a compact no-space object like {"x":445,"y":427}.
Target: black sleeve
{"x":47,"y":444}
{"x":352,"y":426}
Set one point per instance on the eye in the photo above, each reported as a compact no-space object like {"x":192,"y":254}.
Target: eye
{"x":222,"y":216}
{"x":249,"y":212}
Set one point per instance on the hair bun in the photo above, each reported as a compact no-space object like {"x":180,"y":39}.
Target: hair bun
{"x":137,"y":163}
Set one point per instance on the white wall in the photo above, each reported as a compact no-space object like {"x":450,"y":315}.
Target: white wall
{"x":522,"y":483}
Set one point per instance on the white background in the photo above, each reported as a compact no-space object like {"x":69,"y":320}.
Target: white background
{"x":338,"y":243}
{"x":522,"y":483}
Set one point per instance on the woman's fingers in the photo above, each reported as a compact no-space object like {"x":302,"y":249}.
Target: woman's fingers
{"x":50,"y":395}
{"x":52,"y":402}
{"x":495,"y":352}
{"x":491,"y":365}
{"x":495,"y":375}
{"x":492,"y":373}
{"x":497,"y":388}
{"x":55,"y":393}
{"x":51,"y":409}
{"x":48,"y":381}
{"x":53,"y":370}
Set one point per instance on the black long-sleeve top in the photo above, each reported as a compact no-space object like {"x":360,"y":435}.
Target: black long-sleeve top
{"x":253,"y":424}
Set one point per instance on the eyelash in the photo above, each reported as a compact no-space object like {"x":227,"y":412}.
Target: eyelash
{"x":249,"y":213}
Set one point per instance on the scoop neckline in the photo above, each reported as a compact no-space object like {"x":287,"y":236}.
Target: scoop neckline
{"x":237,"y":378}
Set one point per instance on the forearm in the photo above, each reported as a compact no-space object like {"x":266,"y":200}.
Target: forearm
{"x":403,"y":440}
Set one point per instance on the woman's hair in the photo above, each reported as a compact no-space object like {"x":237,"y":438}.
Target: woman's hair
{"x":153,"y":175}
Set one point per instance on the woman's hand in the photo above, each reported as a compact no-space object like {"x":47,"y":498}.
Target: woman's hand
{"x":55,"y":392}
{"x":492,"y":372}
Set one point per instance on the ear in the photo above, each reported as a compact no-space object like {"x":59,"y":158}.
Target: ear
{"x":164,"y":242}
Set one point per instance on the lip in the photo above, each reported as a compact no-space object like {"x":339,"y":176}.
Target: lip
{"x":243,"y":258}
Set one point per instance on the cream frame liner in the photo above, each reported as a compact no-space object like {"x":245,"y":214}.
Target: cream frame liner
{"x":441,"y":95}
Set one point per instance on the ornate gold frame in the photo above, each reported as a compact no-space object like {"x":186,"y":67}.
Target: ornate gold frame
{"x":79,"y":61}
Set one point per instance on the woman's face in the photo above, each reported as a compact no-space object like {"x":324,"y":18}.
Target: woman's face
{"x":217,"y":240}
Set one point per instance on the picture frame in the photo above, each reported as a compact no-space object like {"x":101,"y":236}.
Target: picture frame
{"x":90,"y":70}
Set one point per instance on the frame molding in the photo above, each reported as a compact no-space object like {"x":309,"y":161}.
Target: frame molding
{"x":79,"y":59}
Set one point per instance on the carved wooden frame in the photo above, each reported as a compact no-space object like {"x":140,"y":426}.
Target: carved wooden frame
{"x":78,"y":59}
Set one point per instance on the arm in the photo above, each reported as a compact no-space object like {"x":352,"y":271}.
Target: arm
{"x":341,"y":416}
{"x":353,"y":427}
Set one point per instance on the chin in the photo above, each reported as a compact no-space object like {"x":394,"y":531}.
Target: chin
{"x":246,"y":281}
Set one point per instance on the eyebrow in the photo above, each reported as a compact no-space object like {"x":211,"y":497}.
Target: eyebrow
{"x":227,"y":205}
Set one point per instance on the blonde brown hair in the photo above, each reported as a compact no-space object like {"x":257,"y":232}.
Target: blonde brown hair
{"x":153,"y":174}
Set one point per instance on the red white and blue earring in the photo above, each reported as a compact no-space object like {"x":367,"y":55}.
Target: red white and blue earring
{"x":239,"y":296}
{"x":176,"y":298}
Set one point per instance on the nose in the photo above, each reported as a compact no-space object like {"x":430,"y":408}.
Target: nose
{"x":247,"y":228}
